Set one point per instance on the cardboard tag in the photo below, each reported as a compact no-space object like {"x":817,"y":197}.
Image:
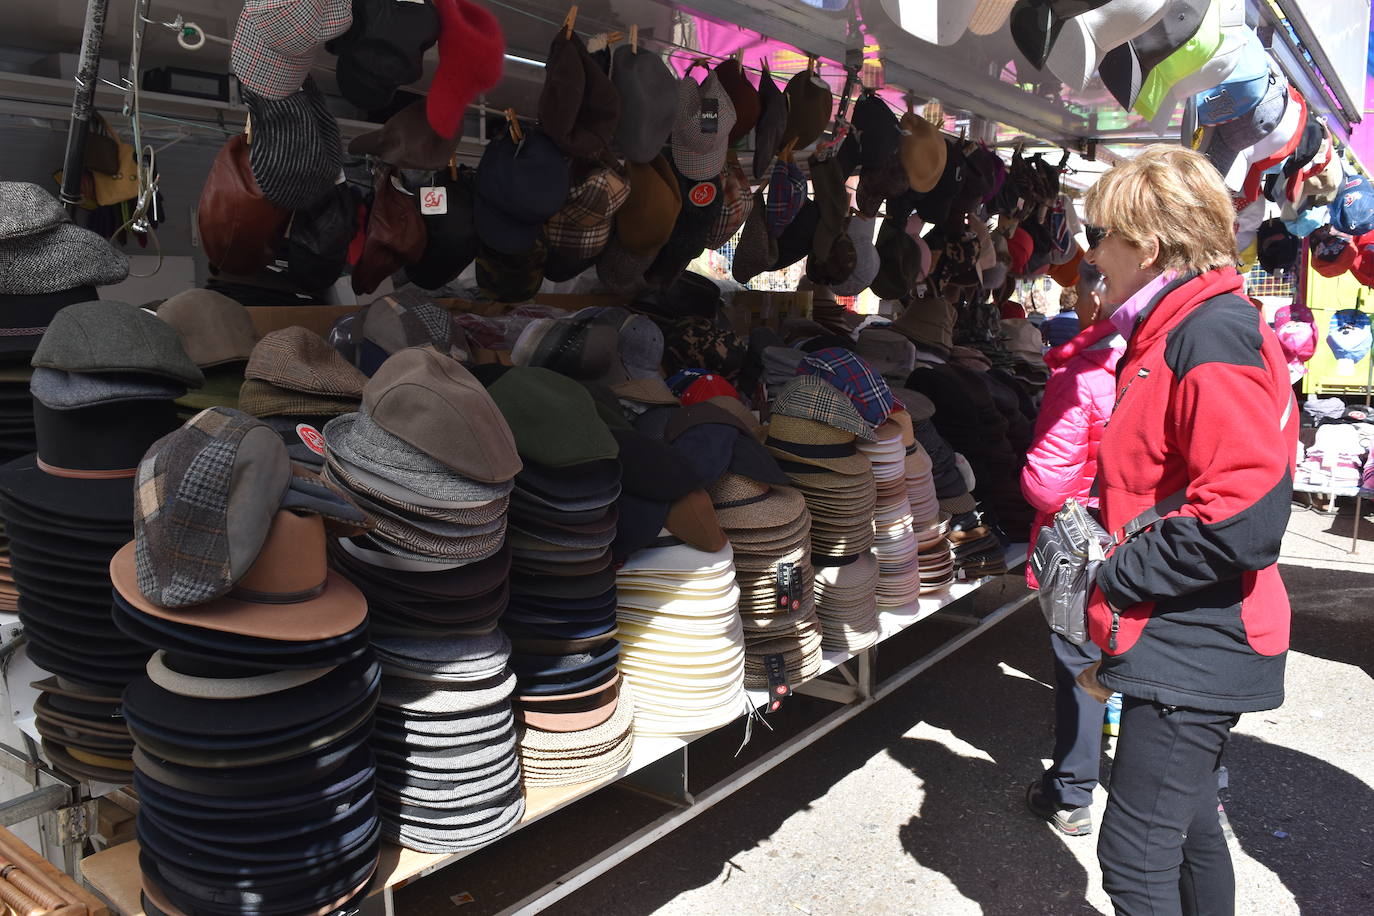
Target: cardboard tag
{"x":710,"y":116}
{"x":778,"y":688}
{"x":434,"y":201}
{"x":310,"y":437}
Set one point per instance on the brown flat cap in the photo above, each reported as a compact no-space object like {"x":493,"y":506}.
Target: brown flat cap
{"x":298,"y":359}
{"x":431,"y":402}
{"x":213,"y":328}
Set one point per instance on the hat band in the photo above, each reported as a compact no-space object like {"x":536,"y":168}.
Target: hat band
{"x":23,"y":332}
{"x":840,"y":450}
{"x":254,"y":596}
{"x":741,"y":503}
{"x":911,"y":449}
{"x":817,"y":560}
{"x":76,"y":474}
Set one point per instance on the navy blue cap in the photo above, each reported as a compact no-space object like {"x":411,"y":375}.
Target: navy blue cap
{"x":519,"y":186}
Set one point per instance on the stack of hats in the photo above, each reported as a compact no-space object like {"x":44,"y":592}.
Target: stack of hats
{"x":103,"y":386}
{"x":46,"y":264}
{"x":295,"y":382}
{"x":977,"y":552}
{"x":217,"y":333}
{"x":576,"y":711}
{"x":894,"y":534}
{"x":770,"y":534}
{"x":682,"y":646}
{"x":448,"y":776}
{"x":813,"y":435}
{"x":430,"y":459}
{"x":936,"y":558}
{"x":252,"y":723}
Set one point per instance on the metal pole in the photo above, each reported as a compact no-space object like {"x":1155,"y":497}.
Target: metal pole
{"x":83,"y":101}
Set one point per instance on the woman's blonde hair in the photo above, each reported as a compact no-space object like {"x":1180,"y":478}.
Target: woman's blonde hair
{"x":1174,"y":195}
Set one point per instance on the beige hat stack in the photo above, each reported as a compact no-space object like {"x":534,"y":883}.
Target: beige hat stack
{"x":551,"y":758}
{"x":681,"y":642}
{"x":770,"y":532}
{"x":894,"y":533}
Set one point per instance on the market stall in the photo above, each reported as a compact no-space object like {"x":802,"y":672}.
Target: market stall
{"x":446,"y":479}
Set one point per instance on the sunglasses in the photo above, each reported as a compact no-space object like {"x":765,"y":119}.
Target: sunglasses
{"x":1095,"y":235}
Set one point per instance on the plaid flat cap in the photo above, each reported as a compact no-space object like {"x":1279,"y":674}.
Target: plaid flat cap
{"x":737,"y":204}
{"x":786,"y":195}
{"x":276,"y":41}
{"x":263,"y":399}
{"x":583,"y":226}
{"x":298,"y":359}
{"x":851,"y":374}
{"x":810,"y":397}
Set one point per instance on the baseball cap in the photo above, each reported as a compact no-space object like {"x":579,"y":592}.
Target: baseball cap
{"x":1200,"y":48}
{"x":1278,"y":248}
{"x":1224,"y":143}
{"x":1349,"y":338}
{"x":1125,"y":68}
{"x":1242,"y":89}
{"x":1332,"y":251}
{"x":1352,"y":212}
{"x":519,"y":186}
{"x":1086,"y":38}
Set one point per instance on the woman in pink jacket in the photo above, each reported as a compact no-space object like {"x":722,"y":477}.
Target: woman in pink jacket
{"x":1061,"y":464}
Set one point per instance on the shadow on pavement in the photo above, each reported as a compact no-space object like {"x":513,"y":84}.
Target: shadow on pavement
{"x":1333,"y":614}
{"x":1326,"y":855}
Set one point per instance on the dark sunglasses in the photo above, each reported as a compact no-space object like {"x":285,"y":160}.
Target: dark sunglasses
{"x":1095,"y":235}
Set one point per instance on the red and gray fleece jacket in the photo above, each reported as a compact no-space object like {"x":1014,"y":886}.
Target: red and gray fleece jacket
{"x":1191,"y":611}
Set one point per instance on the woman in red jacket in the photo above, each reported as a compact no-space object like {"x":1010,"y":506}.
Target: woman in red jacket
{"x":1190,"y":613}
{"x":1062,"y":463}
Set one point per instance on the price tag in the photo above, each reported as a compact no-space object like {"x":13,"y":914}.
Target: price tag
{"x":434,"y":201}
{"x":778,"y":688}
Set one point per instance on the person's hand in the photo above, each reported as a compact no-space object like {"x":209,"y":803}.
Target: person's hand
{"x":1087,"y":679}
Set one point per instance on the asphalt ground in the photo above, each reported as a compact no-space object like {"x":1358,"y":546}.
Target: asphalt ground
{"x":915,"y":805}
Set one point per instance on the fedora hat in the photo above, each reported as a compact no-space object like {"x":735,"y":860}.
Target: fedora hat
{"x":795,"y":440}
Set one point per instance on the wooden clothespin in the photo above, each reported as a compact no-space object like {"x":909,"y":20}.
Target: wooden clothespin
{"x":453,"y":167}
{"x":248,"y":129}
{"x":739,"y":57}
{"x":811,"y":63}
{"x":786,"y":153}
{"x":516,"y":133}
{"x":568,"y":22}
{"x":634,"y":39}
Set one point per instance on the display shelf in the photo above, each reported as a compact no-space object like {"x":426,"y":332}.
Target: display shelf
{"x":114,"y":873}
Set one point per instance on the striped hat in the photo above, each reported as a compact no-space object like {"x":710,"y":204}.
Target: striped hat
{"x":295,"y":152}
{"x":276,"y":41}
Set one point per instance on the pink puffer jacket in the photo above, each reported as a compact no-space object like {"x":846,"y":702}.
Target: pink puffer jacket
{"x":1062,"y":461}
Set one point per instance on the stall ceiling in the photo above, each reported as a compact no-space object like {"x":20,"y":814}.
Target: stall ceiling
{"x":984,"y":76}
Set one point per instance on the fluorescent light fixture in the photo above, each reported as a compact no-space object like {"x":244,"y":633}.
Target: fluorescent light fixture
{"x":525,"y":60}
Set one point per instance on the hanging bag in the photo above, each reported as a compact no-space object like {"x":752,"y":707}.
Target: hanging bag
{"x":121,"y":184}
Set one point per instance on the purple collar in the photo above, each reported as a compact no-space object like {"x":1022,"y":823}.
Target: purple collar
{"x":1127,"y":315}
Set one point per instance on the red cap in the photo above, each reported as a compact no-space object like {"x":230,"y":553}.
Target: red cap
{"x":1020,"y":246}
{"x":708,"y":386}
{"x":1332,"y":252}
{"x":471,"y":53}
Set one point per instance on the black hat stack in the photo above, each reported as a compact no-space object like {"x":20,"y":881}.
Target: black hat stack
{"x":434,"y":569}
{"x":103,"y":386}
{"x":252,"y":721}
{"x":561,"y":620}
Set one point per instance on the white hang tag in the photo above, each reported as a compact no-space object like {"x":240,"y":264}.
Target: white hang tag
{"x":434,"y":201}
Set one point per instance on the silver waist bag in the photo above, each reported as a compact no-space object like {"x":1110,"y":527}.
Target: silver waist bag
{"x":1067,"y":554}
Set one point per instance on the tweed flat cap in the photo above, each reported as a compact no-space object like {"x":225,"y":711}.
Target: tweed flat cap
{"x":810,"y":397}
{"x":213,"y":328}
{"x":263,"y":399}
{"x":583,"y":226}
{"x":64,"y":256}
{"x":26,"y":209}
{"x":431,"y":402}
{"x":301,"y":360}
{"x":114,"y":337}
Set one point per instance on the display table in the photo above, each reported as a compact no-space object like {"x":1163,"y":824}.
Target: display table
{"x":658,"y":765}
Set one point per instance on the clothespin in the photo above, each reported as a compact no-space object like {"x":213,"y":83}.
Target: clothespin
{"x":811,"y":63}
{"x":739,"y":57}
{"x":248,"y":129}
{"x":568,"y":22}
{"x":786,"y":153}
{"x":516,"y":133}
{"x":634,"y":39}
{"x":453,"y":167}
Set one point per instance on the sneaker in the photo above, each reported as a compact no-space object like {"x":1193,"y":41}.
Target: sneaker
{"x":1070,"y":821}
{"x":1111,"y":720}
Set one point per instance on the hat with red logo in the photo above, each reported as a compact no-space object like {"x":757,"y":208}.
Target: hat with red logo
{"x":1333,"y":252}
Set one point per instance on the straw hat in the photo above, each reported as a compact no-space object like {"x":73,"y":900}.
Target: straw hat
{"x":815,"y":443}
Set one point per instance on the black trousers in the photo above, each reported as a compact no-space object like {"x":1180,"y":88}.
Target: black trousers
{"x":1073,"y":774}
{"x":1161,"y":846}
